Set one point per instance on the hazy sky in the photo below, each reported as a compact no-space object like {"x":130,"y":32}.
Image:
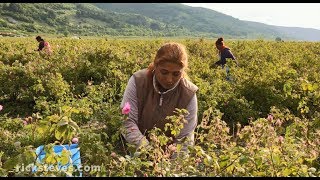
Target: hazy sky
{"x":305,"y":15}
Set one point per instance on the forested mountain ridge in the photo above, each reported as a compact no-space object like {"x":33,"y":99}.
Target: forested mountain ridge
{"x":137,"y":19}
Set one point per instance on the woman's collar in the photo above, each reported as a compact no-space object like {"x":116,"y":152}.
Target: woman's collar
{"x":154,"y":81}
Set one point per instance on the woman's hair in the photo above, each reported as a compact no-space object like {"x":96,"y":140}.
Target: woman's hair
{"x":220,"y":41}
{"x":38,"y":38}
{"x":171,"y":52}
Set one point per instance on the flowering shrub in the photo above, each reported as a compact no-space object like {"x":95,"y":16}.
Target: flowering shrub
{"x":263,"y":123}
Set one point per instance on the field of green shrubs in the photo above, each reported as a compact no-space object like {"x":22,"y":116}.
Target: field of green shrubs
{"x":264,"y":122}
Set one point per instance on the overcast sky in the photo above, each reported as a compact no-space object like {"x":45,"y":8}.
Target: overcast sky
{"x":305,"y":15}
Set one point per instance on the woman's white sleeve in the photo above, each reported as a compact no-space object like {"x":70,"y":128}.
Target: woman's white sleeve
{"x":132,"y":133}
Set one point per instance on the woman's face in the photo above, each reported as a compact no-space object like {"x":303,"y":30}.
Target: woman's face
{"x":218,"y":46}
{"x":168,"y":74}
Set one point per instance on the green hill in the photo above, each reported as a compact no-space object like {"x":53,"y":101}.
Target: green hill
{"x":195,"y":19}
{"x":137,"y":19}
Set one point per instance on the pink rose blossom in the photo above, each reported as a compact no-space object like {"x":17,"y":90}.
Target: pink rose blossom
{"x":270,"y":117}
{"x":113,"y":154}
{"x":281,"y":139}
{"x":25,"y":122}
{"x":278,"y":122}
{"x":197,"y":161}
{"x":172,"y":148}
{"x":75,"y":140}
{"x":126,"y":108}
{"x":1,"y":107}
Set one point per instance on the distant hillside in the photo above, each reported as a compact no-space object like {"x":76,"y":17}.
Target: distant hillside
{"x":204,"y":20}
{"x":81,"y":19}
{"x":294,"y":33}
{"x":137,"y":19}
{"x":307,"y":34}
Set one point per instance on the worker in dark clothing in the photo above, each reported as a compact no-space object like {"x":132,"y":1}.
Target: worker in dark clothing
{"x":224,"y":53}
{"x":43,"y":45}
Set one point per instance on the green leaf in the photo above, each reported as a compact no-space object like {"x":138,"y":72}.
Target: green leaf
{"x":173,"y":132}
{"x":74,"y":110}
{"x":304,"y":86}
{"x":276,"y":159}
{"x":28,"y":156}
{"x":258,"y":161}
{"x":54,"y":118}
{"x":65,"y":157}
{"x":287,"y":88}
{"x":66,"y":108}
{"x":60,"y":132}
{"x":53,"y":128}
{"x":62,"y":123}
{"x":243,"y":160}
{"x":50,"y":158}
{"x":223,"y":164}
{"x":42,"y":127}
{"x":147,"y":163}
{"x":259,"y":174}
{"x":74,"y":125}
{"x":208,"y":160}
{"x":286,"y":172}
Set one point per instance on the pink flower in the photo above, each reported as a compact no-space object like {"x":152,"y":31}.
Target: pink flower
{"x":25,"y":122}
{"x":126,"y":108}
{"x":172,"y":148}
{"x":281,"y":139}
{"x":1,"y":107}
{"x":113,"y":154}
{"x":270,"y":117}
{"x":75,"y":140}
{"x":278,"y":122}
{"x":197,"y":161}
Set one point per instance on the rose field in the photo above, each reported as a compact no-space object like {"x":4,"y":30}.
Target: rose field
{"x":263,"y":120}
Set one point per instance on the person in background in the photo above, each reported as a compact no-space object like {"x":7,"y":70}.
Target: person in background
{"x":154,"y":92}
{"x":43,"y":46}
{"x":224,"y":53}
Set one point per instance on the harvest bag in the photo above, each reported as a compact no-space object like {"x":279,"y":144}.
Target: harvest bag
{"x":74,"y":156}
